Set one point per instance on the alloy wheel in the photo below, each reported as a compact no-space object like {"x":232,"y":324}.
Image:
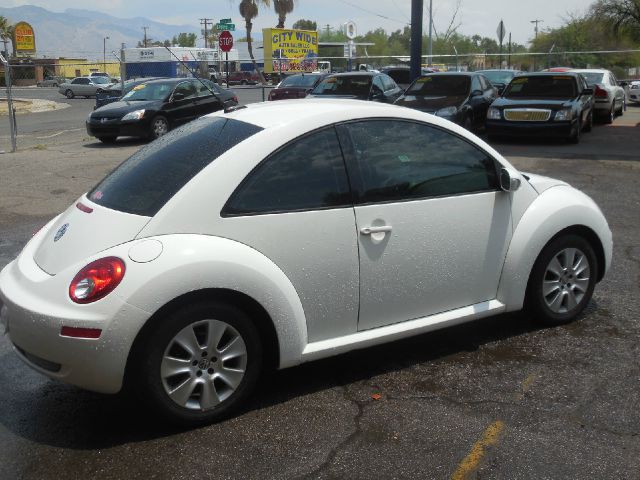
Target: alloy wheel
{"x":566,"y":280}
{"x":203,"y":364}
{"x":160,"y":127}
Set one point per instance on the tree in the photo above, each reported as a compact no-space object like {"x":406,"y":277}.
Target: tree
{"x":621,"y":14}
{"x":282,"y":8}
{"x":185,"y":39}
{"x":6,"y":31}
{"x":249,"y":11}
{"x":305,"y":25}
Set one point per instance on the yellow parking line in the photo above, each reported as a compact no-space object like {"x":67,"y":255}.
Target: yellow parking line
{"x":470,"y":463}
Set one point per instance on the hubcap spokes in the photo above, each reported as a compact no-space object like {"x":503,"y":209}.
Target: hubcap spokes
{"x":566,"y":280}
{"x":203,"y":364}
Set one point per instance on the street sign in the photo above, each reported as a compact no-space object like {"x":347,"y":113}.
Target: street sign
{"x":225,"y":40}
{"x":501,"y":31}
{"x":225,"y":26}
{"x":225,"y":20}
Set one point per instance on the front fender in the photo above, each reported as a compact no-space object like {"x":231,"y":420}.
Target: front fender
{"x":551,"y":212}
{"x":195,"y":262}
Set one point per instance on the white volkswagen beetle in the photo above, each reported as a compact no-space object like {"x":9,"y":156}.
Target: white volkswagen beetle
{"x":286,"y":232}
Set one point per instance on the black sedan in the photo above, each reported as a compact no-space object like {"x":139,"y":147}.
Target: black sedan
{"x":543,"y":104}
{"x":113,"y":92}
{"x":152,"y":108}
{"x":460,"y":97}
{"x":374,"y":86}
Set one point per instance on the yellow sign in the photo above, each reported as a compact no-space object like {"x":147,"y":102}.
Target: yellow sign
{"x":24,"y":38}
{"x":290,"y":50}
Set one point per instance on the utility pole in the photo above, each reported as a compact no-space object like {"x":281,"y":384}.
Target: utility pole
{"x":205,"y":22}
{"x":104,"y":53}
{"x":416,"y":38}
{"x":509,"y":60}
{"x":536,"y":21}
{"x":430,"y":31}
{"x":327,"y":27}
{"x":145,"y":36}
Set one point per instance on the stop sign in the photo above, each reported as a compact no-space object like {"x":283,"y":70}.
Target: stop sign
{"x":225,"y":40}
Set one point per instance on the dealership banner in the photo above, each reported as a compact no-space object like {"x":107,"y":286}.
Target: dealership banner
{"x":290,"y":50}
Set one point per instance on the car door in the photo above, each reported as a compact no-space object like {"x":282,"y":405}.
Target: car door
{"x":206,"y":100}
{"x":478,"y":101}
{"x":296,"y":209}
{"x":80,"y":86}
{"x":391,"y":89}
{"x":433,"y":226}
{"x":181,"y":106}
{"x":617,"y":90}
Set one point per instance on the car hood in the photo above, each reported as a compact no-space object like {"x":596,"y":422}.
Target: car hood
{"x":531,"y":103}
{"x":541,"y":183}
{"x":118,"y":109}
{"x":78,"y":234}
{"x":421,"y":102}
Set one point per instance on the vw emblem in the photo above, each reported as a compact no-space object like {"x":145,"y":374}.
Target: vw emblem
{"x":61,"y":231}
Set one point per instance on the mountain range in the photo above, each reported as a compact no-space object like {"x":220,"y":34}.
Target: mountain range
{"x":78,"y":33}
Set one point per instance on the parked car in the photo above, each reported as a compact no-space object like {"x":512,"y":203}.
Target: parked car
{"x":242,"y":78}
{"x":296,"y":86}
{"x":51,"y":81}
{"x":228,"y":247}
{"x":374,"y":86}
{"x":113,"y":92}
{"x":153,"y":108}
{"x":99,"y":74}
{"x":634,"y":91}
{"x":401,"y":74}
{"x":460,"y":97}
{"x":543,"y":104}
{"x":499,"y":78}
{"x":84,"y":86}
{"x":610,"y":98}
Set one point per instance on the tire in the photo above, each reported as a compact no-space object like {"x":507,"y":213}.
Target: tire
{"x":107,"y":139}
{"x":589,"y":125}
{"x":623,"y":107}
{"x":159,"y":127}
{"x":69,"y":94}
{"x":575,"y":137}
{"x":180,"y":373}
{"x":572,"y":280}
{"x":611,"y":116}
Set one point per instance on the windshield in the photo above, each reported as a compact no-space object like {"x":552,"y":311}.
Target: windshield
{"x":547,"y":86}
{"x":592,"y":77}
{"x":345,"y":85}
{"x":299,"y":81}
{"x":144,"y":182}
{"x":101,"y":80}
{"x":149,"y":91}
{"x":498,"y":76}
{"x":440,"y":85}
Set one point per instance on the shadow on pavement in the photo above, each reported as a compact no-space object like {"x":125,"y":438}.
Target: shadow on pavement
{"x":119,"y":143}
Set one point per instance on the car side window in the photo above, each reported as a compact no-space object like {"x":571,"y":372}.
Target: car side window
{"x":204,"y":88}
{"x":388,"y":83}
{"x":484,"y":83}
{"x":188,"y":89}
{"x":377,"y":85}
{"x":424,"y":161}
{"x":307,"y":174}
{"x":475,"y":84}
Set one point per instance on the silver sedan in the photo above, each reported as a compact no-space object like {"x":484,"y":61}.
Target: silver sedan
{"x":84,"y":86}
{"x":610,"y":98}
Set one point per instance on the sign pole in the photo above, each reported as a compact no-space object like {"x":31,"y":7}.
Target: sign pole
{"x":11,"y":111}
{"x":226,"y":65}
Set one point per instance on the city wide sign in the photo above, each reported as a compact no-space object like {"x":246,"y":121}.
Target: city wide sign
{"x":290,"y":50}
{"x":24,"y":39}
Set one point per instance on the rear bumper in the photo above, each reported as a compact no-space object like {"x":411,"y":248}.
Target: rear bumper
{"x":529,"y":129}
{"x":37,"y":306}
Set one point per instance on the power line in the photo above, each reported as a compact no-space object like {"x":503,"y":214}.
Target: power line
{"x":374,"y":13}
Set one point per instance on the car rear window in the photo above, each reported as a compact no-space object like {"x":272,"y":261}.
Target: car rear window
{"x":440,"y":85}
{"x":592,"y":77}
{"x":299,"y":81}
{"x":144,"y":182}
{"x":358,"y":85}
{"x":547,"y":86}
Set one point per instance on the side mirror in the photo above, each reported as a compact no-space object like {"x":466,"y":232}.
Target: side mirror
{"x":376,"y":94}
{"x":587,"y":91}
{"x":476,"y":93}
{"x":177,"y":96}
{"x":508,"y":183}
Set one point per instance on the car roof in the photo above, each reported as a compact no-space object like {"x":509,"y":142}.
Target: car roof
{"x":169,"y":80}
{"x":355,"y":74}
{"x":449,"y":74}
{"x":551,"y":74}
{"x":589,"y":70}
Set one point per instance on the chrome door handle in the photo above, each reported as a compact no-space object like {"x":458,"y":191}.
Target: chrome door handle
{"x":370,"y":230}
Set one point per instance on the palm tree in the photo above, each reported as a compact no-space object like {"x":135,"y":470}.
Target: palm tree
{"x":6,"y":31}
{"x":282,"y":8}
{"x":249,"y":11}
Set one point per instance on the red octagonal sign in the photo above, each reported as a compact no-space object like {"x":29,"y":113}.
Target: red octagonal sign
{"x":225,"y":40}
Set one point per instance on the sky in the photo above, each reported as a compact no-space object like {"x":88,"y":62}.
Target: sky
{"x":474,"y":16}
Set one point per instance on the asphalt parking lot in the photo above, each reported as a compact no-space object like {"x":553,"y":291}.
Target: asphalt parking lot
{"x":501,"y":398}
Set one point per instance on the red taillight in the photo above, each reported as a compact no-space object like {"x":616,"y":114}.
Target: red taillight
{"x":600,"y":92}
{"x":76,"y":332}
{"x":96,"y":280}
